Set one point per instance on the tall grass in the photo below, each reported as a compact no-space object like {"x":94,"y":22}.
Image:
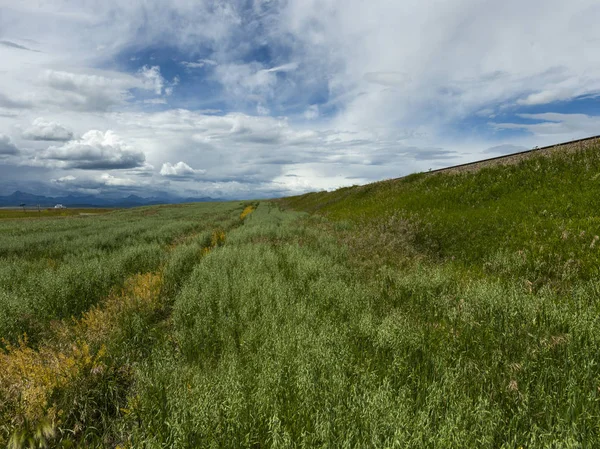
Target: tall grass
{"x":436,"y":311}
{"x":53,"y":269}
{"x":541,"y":214}
{"x":279,"y":343}
{"x":69,"y":385}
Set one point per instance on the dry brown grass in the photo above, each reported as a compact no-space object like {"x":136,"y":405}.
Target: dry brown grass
{"x":247,"y":211}
{"x":31,"y":377}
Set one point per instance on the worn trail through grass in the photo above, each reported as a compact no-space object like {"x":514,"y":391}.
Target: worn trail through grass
{"x":58,"y":384}
{"x":282,"y":340}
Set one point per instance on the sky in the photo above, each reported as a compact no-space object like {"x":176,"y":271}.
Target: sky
{"x":239,"y":99}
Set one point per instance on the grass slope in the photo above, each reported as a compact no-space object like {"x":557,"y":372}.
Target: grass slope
{"x":537,"y":221}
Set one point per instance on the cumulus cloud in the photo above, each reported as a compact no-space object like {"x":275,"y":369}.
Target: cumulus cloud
{"x":44,"y":130}
{"x":257,"y":152}
{"x":95,"y":150}
{"x":114,"y":181}
{"x":64,"y":179}
{"x":179,"y":170}
{"x":152,"y":78}
{"x":7,"y":147}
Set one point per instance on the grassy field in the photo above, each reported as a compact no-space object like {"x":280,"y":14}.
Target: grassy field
{"x":50,"y":212}
{"x":437,"y":311}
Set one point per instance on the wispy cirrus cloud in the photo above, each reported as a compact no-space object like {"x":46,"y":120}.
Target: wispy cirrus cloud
{"x":549,"y":124}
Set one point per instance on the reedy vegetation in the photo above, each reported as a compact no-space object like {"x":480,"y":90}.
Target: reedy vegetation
{"x":435,"y":311}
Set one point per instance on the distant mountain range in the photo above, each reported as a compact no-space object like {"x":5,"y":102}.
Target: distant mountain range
{"x":30,"y":200}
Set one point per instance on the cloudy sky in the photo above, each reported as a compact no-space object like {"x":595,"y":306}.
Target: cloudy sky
{"x":239,"y":99}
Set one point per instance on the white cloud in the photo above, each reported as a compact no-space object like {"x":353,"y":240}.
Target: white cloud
{"x":418,"y":62}
{"x":554,"y":127}
{"x":562,"y":90}
{"x":283,"y":68}
{"x":254,"y":151}
{"x":247,"y":81}
{"x":198,"y":64}
{"x":97,"y":183}
{"x":7,"y":147}
{"x":152,"y":79}
{"x":12,"y":103}
{"x":95,"y":150}
{"x":380,"y":89}
{"x":87,"y":91}
{"x":114,"y":181}
{"x":49,"y":131}
{"x":312,"y":112}
{"x":254,"y":83}
{"x":84,"y":90}
{"x":486,"y":112}
{"x":179,"y":170}
{"x":155,"y":101}
{"x":387,"y":78}
{"x":262,"y":110}
{"x":544,"y":97}
{"x":65,"y":179}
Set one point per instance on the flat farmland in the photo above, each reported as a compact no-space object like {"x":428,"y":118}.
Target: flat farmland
{"x":17,"y":212}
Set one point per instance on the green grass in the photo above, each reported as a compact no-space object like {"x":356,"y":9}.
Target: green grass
{"x":57,"y":268}
{"x":435,"y":311}
{"x":79,"y":312}
{"x":49,"y":213}
{"x":536,"y":221}
{"x":279,"y":342}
